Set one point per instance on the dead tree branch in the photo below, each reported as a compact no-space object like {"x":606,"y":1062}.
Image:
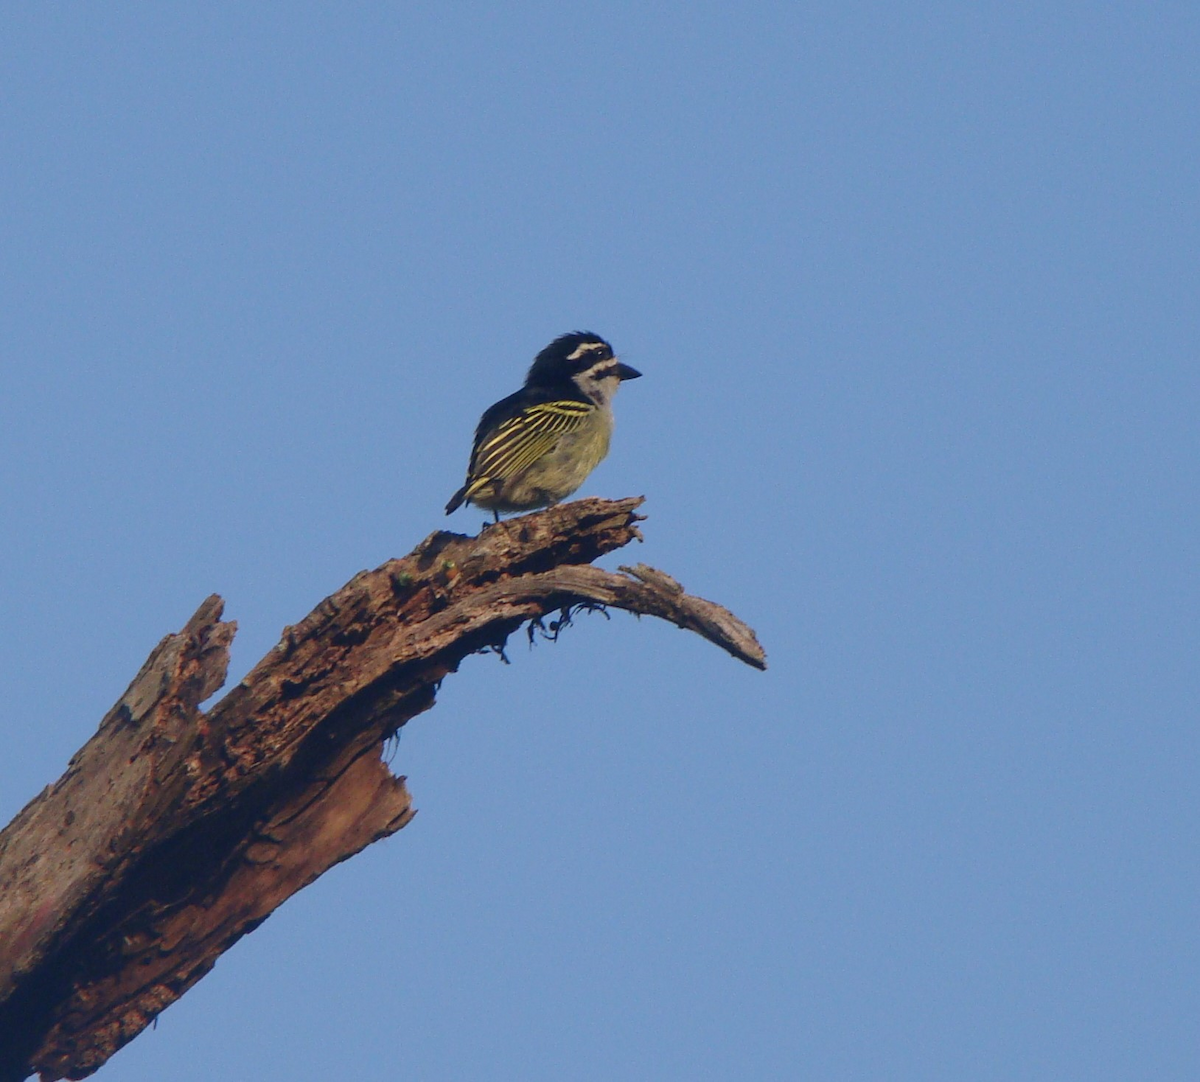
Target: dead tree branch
{"x":174,"y":831}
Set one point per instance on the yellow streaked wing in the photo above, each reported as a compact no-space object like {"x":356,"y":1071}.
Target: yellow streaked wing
{"x":522,"y":440}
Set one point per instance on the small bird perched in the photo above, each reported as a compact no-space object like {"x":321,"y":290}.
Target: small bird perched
{"x":537,"y":446}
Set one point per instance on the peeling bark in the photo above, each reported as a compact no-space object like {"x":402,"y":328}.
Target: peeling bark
{"x":174,"y":831}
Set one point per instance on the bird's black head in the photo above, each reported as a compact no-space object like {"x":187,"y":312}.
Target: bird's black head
{"x":571,"y":354}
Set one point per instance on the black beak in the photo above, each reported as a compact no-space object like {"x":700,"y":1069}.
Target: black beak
{"x":623,"y":371}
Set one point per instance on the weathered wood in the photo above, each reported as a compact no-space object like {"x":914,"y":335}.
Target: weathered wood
{"x":174,"y":832}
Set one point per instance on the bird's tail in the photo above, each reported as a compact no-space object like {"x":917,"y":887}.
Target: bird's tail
{"x":456,"y":500}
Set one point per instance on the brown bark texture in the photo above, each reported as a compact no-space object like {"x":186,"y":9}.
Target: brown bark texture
{"x":176,"y":831}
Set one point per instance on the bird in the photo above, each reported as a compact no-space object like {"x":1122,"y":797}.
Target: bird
{"x":538,"y":445}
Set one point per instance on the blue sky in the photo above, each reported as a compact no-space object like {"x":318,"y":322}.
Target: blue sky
{"x":913,"y":287}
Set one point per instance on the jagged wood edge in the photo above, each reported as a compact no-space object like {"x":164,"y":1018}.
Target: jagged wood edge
{"x":277,"y":782}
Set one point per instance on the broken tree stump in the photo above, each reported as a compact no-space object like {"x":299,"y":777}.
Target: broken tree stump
{"x":176,"y":831}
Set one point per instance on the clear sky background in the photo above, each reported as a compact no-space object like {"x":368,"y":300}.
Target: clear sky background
{"x":914,"y":289}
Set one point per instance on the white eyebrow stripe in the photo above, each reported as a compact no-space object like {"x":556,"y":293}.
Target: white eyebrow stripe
{"x":586,"y":347}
